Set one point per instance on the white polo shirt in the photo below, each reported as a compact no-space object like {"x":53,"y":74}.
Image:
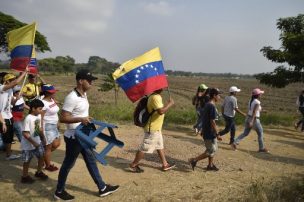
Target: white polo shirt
{"x":78,"y":106}
{"x":5,"y":102}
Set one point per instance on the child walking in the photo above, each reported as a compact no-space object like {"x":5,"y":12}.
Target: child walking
{"x":32,"y":142}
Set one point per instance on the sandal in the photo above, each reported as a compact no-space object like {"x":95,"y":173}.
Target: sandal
{"x":136,"y":169}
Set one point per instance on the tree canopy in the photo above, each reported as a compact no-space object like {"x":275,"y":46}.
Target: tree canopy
{"x":8,"y":23}
{"x":290,"y":52}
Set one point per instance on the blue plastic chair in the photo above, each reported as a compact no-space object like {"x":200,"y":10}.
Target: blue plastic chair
{"x":87,"y":133}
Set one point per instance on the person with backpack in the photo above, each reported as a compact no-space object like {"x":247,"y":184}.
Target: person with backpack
{"x":153,"y":138}
{"x":300,"y":103}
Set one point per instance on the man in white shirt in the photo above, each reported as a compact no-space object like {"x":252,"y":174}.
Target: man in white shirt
{"x":75,"y":111}
{"x":229,"y":108}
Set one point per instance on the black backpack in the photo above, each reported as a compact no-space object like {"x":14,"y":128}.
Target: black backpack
{"x":141,"y":115}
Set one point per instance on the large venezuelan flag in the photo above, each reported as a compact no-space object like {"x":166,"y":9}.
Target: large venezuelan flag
{"x":21,"y":44}
{"x":142,"y":75}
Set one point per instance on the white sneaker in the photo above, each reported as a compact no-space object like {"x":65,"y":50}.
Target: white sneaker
{"x":13,"y":157}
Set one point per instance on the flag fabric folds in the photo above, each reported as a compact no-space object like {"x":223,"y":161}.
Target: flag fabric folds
{"x":142,"y":75}
{"x":21,"y":45}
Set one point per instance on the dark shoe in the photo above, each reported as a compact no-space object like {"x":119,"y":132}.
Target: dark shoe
{"x":41,"y":175}
{"x":27,"y":180}
{"x":264,"y":150}
{"x":65,"y":196}
{"x":168,"y":167}
{"x":108,"y":190}
{"x":212,"y":168}
{"x":192,"y":163}
{"x":51,"y":168}
{"x":136,"y":169}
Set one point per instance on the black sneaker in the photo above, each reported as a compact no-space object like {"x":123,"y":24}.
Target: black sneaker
{"x":212,"y":168}
{"x":108,"y":190}
{"x":41,"y":175}
{"x":192,"y":163}
{"x":27,"y":180}
{"x":65,"y":196}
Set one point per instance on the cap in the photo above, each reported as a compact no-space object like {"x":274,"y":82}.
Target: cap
{"x":203,"y":87}
{"x":9,"y":77}
{"x":214,"y":91}
{"x":85,"y":74}
{"x":257,"y":91}
{"x":233,"y":89}
{"x":17,"y":88}
{"x":48,"y":88}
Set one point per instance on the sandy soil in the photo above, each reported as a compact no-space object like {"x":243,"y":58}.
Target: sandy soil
{"x":238,"y":169}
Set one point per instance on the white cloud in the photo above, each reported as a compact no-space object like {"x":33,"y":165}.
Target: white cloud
{"x":159,"y":8}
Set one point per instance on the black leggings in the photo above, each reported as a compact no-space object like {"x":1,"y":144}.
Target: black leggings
{"x":9,"y":135}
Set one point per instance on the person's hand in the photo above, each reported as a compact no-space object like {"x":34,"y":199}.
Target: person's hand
{"x":171,"y":101}
{"x":4,"y":129}
{"x":250,"y":124}
{"x":86,"y":120}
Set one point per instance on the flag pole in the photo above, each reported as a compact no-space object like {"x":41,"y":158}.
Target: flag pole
{"x":169,"y":92}
{"x":23,"y":83}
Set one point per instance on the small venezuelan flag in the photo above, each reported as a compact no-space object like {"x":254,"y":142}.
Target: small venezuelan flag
{"x":21,"y":44}
{"x":142,"y":75}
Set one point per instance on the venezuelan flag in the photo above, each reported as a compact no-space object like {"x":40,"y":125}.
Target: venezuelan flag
{"x":21,"y":44}
{"x":142,"y":75}
{"x":33,"y":68}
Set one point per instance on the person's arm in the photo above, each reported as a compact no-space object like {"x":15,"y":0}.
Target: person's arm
{"x":28,"y":137}
{"x":166,"y":107}
{"x":66,"y":117}
{"x":3,"y":124}
{"x":255,"y":109}
{"x":214,"y":126}
{"x":14,"y":82}
{"x":239,"y":111}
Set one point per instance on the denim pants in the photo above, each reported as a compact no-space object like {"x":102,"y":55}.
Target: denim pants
{"x":199,"y":121}
{"x":18,"y":129}
{"x":73,"y":148}
{"x":301,"y":109}
{"x":257,"y":127}
{"x":229,"y":127}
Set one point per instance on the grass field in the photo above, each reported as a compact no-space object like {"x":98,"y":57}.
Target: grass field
{"x":279,"y":103}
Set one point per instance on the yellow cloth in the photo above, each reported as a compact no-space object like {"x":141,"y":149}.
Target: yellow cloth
{"x":31,"y":90}
{"x":155,"y":102}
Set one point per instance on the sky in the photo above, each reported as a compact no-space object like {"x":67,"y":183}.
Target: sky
{"x":210,"y":36}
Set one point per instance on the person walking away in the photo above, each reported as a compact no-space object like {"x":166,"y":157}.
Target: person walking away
{"x":300,"y":103}
{"x":18,"y":111}
{"x":153,"y":138}
{"x":50,"y":124}
{"x":209,"y":132}
{"x":199,"y":101}
{"x":31,"y":90}
{"x":228,"y":109}
{"x":32,"y":142}
{"x":253,"y":121}
{"x":6,"y":95}
{"x":75,"y":111}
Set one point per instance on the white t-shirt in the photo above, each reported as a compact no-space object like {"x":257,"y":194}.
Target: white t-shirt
{"x":251,"y":107}
{"x":51,"y":109}
{"x":230,"y":104}
{"x":78,"y":106}
{"x":32,"y":125}
{"x":5,"y":102}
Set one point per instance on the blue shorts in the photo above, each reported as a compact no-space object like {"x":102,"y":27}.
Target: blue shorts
{"x":27,"y":155}
{"x":51,"y":132}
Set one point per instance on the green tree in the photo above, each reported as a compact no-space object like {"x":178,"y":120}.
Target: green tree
{"x":109,"y":84}
{"x":291,"y":52}
{"x":8,"y":23}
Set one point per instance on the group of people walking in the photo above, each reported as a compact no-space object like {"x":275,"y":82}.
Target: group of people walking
{"x":39,"y":136}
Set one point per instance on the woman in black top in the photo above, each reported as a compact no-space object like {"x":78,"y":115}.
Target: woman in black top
{"x":300,"y":103}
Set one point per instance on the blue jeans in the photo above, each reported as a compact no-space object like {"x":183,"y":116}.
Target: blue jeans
{"x":73,"y":148}
{"x":257,"y":127}
{"x":18,"y":129}
{"x":199,"y":121}
{"x":229,"y":127}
